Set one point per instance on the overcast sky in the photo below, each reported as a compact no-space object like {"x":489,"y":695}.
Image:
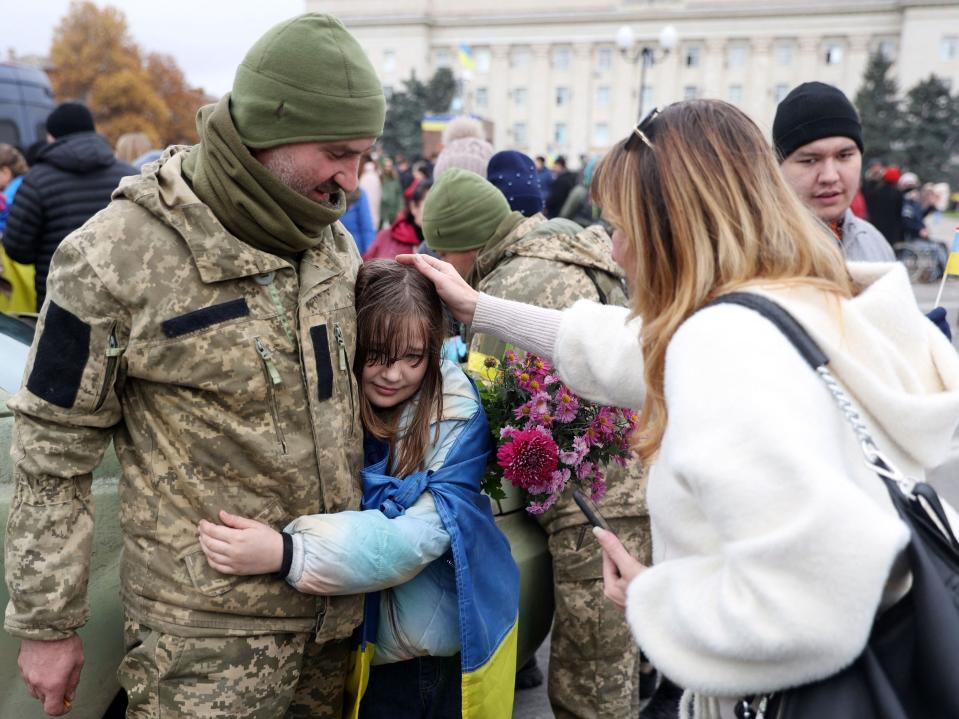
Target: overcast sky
{"x":208,"y":38}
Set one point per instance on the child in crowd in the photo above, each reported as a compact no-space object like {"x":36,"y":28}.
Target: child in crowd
{"x":443,"y":587}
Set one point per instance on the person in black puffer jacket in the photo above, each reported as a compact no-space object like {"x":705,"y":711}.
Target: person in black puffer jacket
{"x":71,"y":181}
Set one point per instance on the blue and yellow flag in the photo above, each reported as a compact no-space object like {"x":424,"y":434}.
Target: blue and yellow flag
{"x":487,"y":578}
{"x":952,"y":265}
{"x":465,"y":57}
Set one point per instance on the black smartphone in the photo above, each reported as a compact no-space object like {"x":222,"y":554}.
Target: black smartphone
{"x":589,"y":509}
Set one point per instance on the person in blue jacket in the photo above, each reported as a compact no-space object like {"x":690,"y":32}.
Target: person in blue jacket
{"x":443,"y":589}
{"x":358,"y":219}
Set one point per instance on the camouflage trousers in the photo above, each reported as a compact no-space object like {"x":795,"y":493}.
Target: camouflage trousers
{"x":256,"y":677}
{"x":593,"y":660}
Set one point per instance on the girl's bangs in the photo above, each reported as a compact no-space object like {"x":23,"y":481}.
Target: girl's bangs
{"x":386,"y":336}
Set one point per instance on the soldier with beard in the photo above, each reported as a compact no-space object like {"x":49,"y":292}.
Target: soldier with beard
{"x":204,"y":322}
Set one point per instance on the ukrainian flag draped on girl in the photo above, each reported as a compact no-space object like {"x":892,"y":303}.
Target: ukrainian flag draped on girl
{"x":487,"y":579}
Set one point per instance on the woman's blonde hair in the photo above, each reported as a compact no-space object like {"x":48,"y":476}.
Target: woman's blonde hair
{"x":705,"y":210}
{"x":131,"y":145}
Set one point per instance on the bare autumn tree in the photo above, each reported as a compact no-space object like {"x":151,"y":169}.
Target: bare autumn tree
{"x":96,"y":61}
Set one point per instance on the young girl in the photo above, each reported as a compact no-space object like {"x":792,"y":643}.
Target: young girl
{"x":443,"y":586}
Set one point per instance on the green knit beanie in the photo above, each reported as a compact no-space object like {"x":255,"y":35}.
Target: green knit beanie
{"x":462,"y":211}
{"x":307,"y":79}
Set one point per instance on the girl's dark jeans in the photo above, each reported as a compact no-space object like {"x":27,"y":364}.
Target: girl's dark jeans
{"x":422,"y":688}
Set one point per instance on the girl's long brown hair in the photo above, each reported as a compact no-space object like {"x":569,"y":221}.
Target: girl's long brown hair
{"x":705,"y":210}
{"x":397,"y":311}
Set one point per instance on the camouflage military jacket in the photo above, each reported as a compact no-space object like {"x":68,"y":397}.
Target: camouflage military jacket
{"x":554,"y":263}
{"x":223,"y":376}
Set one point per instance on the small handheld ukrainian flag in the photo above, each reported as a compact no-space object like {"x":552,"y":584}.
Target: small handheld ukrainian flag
{"x":952,"y":264}
{"x":465,"y":57}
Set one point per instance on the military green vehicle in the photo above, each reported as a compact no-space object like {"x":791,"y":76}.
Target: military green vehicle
{"x":99,"y":695}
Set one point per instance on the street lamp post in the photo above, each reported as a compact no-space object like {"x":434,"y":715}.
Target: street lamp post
{"x":626,"y":41}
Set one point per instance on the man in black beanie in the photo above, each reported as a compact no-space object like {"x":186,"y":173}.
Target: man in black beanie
{"x":818,"y":137}
{"x":71,"y":180}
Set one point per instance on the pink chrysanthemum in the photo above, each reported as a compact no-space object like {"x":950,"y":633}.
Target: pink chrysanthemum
{"x":604,"y":424}
{"x":598,"y":490}
{"x":567,"y":405}
{"x":529,"y":459}
{"x":586,"y":470}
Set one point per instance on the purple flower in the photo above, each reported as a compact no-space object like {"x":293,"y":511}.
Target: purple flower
{"x":598,"y":490}
{"x":567,"y":405}
{"x":586,"y":470}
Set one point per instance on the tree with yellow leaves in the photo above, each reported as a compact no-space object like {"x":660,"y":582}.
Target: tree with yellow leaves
{"x":96,"y":61}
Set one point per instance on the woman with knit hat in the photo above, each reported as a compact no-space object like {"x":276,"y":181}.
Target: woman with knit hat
{"x":775,"y":545}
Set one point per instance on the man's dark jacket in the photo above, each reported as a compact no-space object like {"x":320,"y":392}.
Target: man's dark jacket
{"x":884,"y":205}
{"x":71,"y":181}
{"x":558,"y":192}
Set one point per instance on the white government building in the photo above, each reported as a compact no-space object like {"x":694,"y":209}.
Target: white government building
{"x":563,"y":76}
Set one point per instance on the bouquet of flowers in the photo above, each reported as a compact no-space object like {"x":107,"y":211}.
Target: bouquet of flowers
{"x":546,"y":437}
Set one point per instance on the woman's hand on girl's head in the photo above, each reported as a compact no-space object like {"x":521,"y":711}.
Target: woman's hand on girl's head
{"x":619,"y":567}
{"x":240,"y":546}
{"x":452,"y":289}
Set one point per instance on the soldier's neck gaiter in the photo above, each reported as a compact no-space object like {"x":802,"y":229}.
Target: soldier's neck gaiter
{"x":245,"y":197}
{"x":492,"y":252}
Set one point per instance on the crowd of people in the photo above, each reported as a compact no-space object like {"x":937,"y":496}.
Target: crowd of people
{"x":259,"y":323}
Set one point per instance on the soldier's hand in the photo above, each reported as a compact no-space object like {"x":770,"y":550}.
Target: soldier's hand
{"x":452,"y":289}
{"x":619,"y":567}
{"x":51,"y":671}
{"x":240,"y":545}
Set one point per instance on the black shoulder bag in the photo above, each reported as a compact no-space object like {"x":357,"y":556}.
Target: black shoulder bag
{"x":909,"y":668}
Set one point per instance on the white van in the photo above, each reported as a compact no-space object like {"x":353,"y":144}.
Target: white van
{"x":25,"y":101}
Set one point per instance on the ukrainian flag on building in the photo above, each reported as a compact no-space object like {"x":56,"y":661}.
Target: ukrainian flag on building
{"x":465,"y":57}
{"x":487,"y":578}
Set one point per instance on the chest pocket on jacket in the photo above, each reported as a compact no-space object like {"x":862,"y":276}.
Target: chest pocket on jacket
{"x":209,"y":349}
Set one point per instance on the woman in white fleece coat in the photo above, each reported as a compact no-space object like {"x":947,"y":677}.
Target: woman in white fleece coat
{"x":774,"y":545}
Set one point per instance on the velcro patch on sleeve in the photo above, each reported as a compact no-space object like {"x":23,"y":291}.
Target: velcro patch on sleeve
{"x":62,"y":353}
{"x":205,"y":317}
{"x":324,"y":363}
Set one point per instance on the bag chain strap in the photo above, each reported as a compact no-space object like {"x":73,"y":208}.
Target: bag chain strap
{"x":875,"y":459}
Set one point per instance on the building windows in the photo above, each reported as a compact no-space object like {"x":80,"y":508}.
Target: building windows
{"x":736,"y":56}
{"x":519,"y":57}
{"x":604,"y":58}
{"x":832,"y":53}
{"x":561,"y":58}
{"x":444,"y":58}
{"x":389,"y":61}
{"x":736,"y":94}
{"x":780,"y":92}
{"x":560,"y":134}
{"x":601,"y":134}
{"x":519,"y":97}
{"x":603,"y":96}
{"x":519,"y":134}
{"x":482,"y":98}
{"x":562,"y":96}
{"x":690,"y":92}
{"x":949,"y":48}
{"x":692,"y":56}
{"x":784,"y":54}
{"x":482,"y":56}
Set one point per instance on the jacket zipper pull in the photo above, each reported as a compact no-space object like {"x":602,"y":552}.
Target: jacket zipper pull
{"x":268,"y":361}
{"x":338,"y":334}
